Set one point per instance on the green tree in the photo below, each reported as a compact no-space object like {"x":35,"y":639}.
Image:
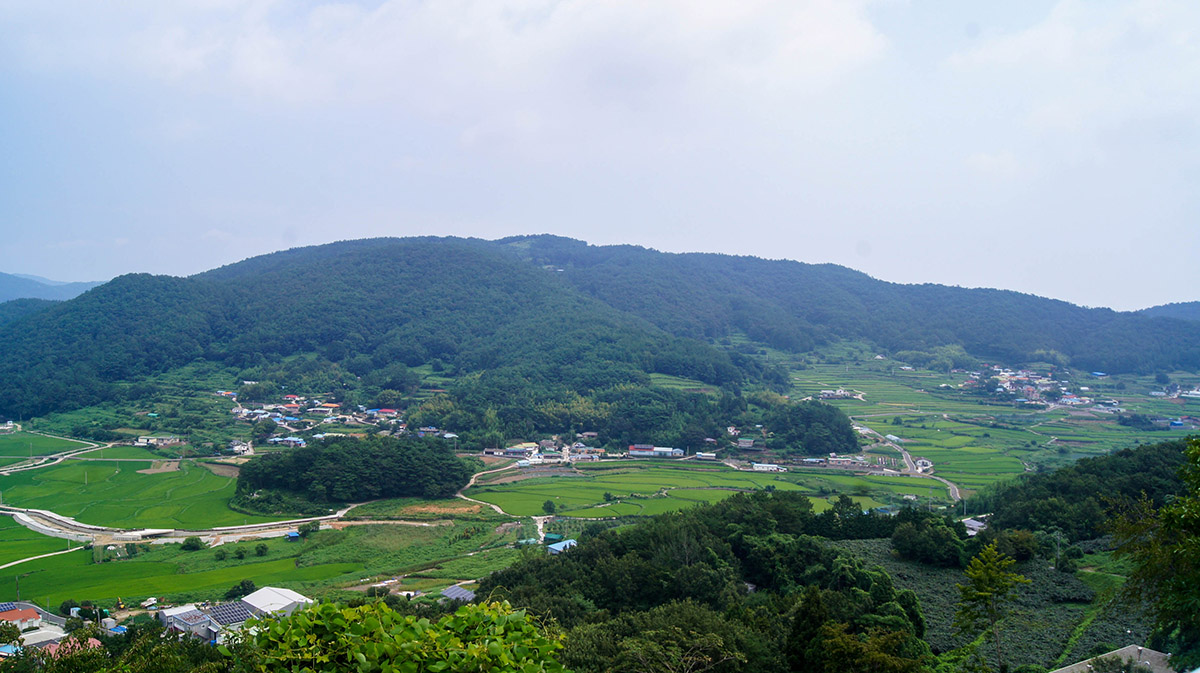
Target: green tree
{"x":10,"y":634}
{"x":983,"y":600}
{"x":373,"y":637}
{"x":192,"y":543}
{"x":1164,"y":547}
{"x":243,"y":588}
{"x":549,"y":507}
{"x":308,"y":528}
{"x":220,"y":554}
{"x":261,"y":549}
{"x":240,"y":552}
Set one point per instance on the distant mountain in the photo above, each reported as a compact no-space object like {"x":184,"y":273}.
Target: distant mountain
{"x":17,"y":286}
{"x":1186,"y":310}
{"x":545,"y":311}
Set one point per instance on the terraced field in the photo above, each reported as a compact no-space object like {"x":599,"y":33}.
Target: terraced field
{"x":110,"y":493}
{"x":643,"y":490}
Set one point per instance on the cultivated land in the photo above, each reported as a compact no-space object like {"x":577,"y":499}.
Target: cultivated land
{"x":426,"y":558}
{"x":18,"y":542}
{"x":971,"y":441}
{"x":115,"y":493}
{"x":637,"y":489}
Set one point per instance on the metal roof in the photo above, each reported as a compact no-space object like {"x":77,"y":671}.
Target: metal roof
{"x":458,"y":593}
{"x":230,"y":613}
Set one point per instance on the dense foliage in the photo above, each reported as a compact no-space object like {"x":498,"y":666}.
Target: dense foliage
{"x":556,"y":314}
{"x":1163,"y":544}
{"x":19,"y":308}
{"x":345,"y":469}
{"x":373,"y":638}
{"x":793,"y":306}
{"x":744,"y":584}
{"x":1075,"y":499}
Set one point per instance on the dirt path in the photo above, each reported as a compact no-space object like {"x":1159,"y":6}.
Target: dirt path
{"x":471,"y":483}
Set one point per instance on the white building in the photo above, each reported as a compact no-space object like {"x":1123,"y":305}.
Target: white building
{"x":276,"y":601}
{"x":767,"y":467}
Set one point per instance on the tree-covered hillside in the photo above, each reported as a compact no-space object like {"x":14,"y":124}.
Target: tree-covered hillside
{"x":1185,"y":310}
{"x":19,"y":308}
{"x":791,"y":305}
{"x":536,"y":312}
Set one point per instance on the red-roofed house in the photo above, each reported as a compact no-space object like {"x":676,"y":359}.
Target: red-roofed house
{"x":26,"y":618}
{"x":69,"y":646}
{"x":291,"y":397}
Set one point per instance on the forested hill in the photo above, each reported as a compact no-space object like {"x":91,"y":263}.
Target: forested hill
{"x":365,"y":304}
{"x":19,"y":308}
{"x":22,"y":287}
{"x":792,"y":305}
{"x":1184,"y":310}
{"x":550,"y":311}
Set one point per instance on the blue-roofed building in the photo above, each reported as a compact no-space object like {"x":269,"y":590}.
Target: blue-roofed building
{"x":560,"y":547}
{"x":293,"y":536}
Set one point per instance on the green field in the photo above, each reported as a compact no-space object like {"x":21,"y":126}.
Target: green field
{"x":115,"y":494}
{"x":124,"y":452}
{"x":18,"y":542}
{"x":52,"y":580}
{"x":26,"y":444}
{"x":432,"y":557}
{"x":642,"y":490}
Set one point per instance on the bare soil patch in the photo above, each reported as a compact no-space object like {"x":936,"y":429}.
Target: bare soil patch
{"x":160,"y":466}
{"x":222,"y":469}
{"x":444,"y":509}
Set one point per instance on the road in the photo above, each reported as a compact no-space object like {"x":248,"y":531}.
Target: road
{"x":472,"y":483}
{"x":910,"y":466}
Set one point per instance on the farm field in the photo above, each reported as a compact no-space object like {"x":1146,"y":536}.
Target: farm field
{"x":24,"y":444}
{"x":976,"y":442}
{"x":431,"y":558}
{"x":643,"y":490}
{"x":52,"y":580}
{"x":116,"y":494}
{"x":18,"y":542}
{"x":123,"y":452}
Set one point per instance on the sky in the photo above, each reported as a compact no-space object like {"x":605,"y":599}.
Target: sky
{"x":1045,"y":147}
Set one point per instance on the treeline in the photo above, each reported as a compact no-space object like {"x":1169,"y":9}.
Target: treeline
{"x":345,"y":469}
{"x":1076,"y":499}
{"x":744,"y":585}
{"x":794,"y":306}
{"x":459,"y":306}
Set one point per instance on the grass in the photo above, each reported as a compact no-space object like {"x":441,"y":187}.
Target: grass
{"x":52,"y":580}
{"x":25,"y":444}
{"x":438,"y":554}
{"x":123,"y":452}
{"x":647,"y":489}
{"x":115,"y":494}
{"x":18,"y":542}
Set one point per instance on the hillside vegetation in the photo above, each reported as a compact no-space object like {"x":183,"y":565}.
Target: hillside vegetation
{"x":548,"y":312}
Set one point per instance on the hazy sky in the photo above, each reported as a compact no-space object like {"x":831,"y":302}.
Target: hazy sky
{"x":1045,"y":147}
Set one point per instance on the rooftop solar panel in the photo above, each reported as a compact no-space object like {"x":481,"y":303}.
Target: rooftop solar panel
{"x":230,"y":613}
{"x":458,"y":594}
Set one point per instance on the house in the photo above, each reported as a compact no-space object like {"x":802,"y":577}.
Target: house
{"x":157,"y":440}
{"x":286,"y":441}
{"x":1145,"y":658}
{"x":767,"y":467}
{"x":275,"y":601}
{"x":22,"y":618}
{"x":973,"y":526}
{"x":70,"y":646}
{"x":589,"y":435}
{"x":188,"y":619}
{"x":560,"y":547}
{"x":648,"y":451}
{"x":293,"y":536}
{"x":923,"y":464}
{"x":813,"y":461}
{"x":701,"y":455}
{"x":552,"y":537}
